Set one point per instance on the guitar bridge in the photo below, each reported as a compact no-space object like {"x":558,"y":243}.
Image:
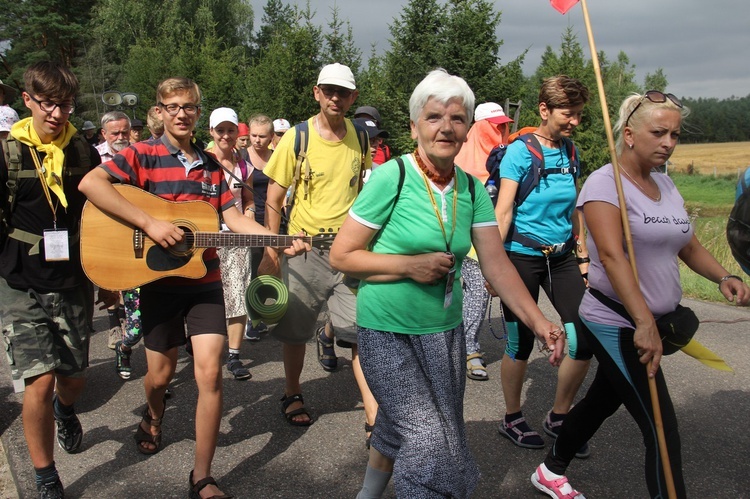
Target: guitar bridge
{"x":138,"y":243}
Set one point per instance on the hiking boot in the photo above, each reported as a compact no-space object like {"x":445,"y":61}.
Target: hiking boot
{"x":552,"y":428}
{"x":113,"y":336}
{"x":122,"y":362}
{"x":234,"y":366}
{"x":51,"y":490}
{"x":69,"y":430}
{"x":558,"y":488}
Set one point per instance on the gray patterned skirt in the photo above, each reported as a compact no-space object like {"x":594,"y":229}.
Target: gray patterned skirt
{"x":235,"y":278}
{"x":418,"y":382}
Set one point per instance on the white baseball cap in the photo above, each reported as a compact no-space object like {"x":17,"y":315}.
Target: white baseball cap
{"x":222,"y":114}
{"x":281,"y":125}
{"x":337,"y":74}
{"x":491,"y":112}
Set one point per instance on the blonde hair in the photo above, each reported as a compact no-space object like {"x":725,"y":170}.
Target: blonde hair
{"x":639,"y":118}
{"x":261,"y":119}
{"x":178,"y":85}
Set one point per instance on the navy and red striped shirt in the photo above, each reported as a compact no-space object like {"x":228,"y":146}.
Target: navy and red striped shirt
{"x":155,"y":166}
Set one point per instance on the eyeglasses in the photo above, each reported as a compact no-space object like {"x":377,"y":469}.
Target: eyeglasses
{"x":174,"y":109}
{"x":49,"y":106}
{"x":279,"y":134}
{"x":657,"y":98}
{"x":329,"y":91}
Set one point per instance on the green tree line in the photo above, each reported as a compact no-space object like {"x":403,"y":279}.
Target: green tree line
{"x":131,"y":46}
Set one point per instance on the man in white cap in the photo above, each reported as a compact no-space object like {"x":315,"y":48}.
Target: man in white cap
{"x":324,"y":189}
{"x":8,"y":115}
{"x":280,"y":127}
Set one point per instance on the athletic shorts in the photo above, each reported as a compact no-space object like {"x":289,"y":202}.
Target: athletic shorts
{"x":312,"y":282}
{"x":165,"y":315}
{"x":45,"y":332}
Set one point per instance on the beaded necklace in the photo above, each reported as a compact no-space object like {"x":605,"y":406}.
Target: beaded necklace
{"x":435,"y":177}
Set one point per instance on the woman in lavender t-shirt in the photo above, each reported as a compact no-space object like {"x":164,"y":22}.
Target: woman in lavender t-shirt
{"x":647,"y":133}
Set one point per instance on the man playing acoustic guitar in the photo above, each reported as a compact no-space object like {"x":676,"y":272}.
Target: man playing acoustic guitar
{"x":171,"y":168}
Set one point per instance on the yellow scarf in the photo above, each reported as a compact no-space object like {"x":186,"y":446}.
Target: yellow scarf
{"x":54,"y":159}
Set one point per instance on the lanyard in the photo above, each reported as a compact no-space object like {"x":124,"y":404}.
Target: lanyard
{"x":45,"y":187}
{"x":437,"y":210}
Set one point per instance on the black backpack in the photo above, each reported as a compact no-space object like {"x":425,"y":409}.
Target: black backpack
{"x":738,"y":227}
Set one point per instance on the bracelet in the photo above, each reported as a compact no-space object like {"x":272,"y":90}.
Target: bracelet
{"x":583,"y":260}
{"x":730,"y":276}
{"x":250,"y":209}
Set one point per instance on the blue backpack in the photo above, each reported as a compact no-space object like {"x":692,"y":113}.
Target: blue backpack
{"x":536,"y":169}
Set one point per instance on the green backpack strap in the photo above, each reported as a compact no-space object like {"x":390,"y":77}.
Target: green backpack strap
{"x":13,"y":161}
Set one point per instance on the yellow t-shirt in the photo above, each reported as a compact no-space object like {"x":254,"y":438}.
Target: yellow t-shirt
{"x":334,"y":183}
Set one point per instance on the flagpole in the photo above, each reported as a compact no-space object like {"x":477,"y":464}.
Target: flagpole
{"x":629,"y":244}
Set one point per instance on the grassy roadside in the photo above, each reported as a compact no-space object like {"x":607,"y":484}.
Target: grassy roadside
{"x":708,"y":200}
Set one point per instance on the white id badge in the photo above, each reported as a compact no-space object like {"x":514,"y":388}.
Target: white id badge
{"x":56,"y":247}
{"x":450,"y":278}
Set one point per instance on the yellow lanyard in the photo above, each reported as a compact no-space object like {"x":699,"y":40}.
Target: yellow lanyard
{"x":45,"y":187}
{"x":437,"y":210}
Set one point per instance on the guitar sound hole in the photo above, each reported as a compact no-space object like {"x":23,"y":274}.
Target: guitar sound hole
{"x":186,"y":245}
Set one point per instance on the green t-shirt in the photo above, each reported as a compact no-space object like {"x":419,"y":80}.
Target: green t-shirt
{"x":407,"y":306}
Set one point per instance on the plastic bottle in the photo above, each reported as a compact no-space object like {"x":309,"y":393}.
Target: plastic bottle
{"x":491,"y":189}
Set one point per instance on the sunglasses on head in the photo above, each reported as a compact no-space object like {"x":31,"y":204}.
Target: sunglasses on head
{"x":657,"y":98}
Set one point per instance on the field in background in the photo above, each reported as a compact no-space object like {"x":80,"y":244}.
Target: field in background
{"x":708,"y":200}
{"x":707,"y":159}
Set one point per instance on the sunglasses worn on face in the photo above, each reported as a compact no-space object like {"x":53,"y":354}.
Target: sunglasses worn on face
{"x":49,"y":106}
{"x":342,"y":92}
{"x":657,"y":98}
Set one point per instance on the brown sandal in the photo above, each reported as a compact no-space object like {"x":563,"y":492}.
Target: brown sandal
{"x":144,"y":437}
{"x":195,"y":488}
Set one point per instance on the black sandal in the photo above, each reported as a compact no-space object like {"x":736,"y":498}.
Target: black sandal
{"x":286,"y":401}
{"x":144,"y":437}
{"x":195,"y":488}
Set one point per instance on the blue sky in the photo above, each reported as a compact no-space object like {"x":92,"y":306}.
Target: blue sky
{"x":703,"y":47}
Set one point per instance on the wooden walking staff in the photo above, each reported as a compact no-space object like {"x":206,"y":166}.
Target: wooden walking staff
{"x":563,"y":6}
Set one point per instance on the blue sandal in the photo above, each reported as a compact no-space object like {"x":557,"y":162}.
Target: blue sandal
{"x":326,"y":353}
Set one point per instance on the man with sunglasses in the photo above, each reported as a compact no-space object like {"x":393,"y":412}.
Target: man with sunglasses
{"x":44,"y":297}
{"x":325,"y":187}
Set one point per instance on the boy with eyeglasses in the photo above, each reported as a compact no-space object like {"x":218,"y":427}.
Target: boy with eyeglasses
{"x":44,"y":297}
{"x":172,"y":168}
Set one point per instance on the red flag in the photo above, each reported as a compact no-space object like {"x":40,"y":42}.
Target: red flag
{"x":563,"y":6}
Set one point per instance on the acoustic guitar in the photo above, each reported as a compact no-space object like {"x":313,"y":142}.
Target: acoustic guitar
{"x":117,"y":255}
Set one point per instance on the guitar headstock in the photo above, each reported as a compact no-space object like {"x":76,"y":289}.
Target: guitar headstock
{"x":322,"y":241}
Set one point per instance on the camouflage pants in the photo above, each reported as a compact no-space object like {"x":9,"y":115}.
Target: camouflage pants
{"x":44,"y":332}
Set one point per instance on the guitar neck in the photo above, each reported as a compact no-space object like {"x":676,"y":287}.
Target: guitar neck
{"x":221,"y":239}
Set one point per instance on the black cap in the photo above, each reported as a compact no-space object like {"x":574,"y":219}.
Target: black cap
{"x":371,"y":127}
{"x":368,"y":111}
{"x":136,"y":123}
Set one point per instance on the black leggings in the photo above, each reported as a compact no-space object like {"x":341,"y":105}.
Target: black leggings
{"x":565,"y":291}
{"x":620,"y":379}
